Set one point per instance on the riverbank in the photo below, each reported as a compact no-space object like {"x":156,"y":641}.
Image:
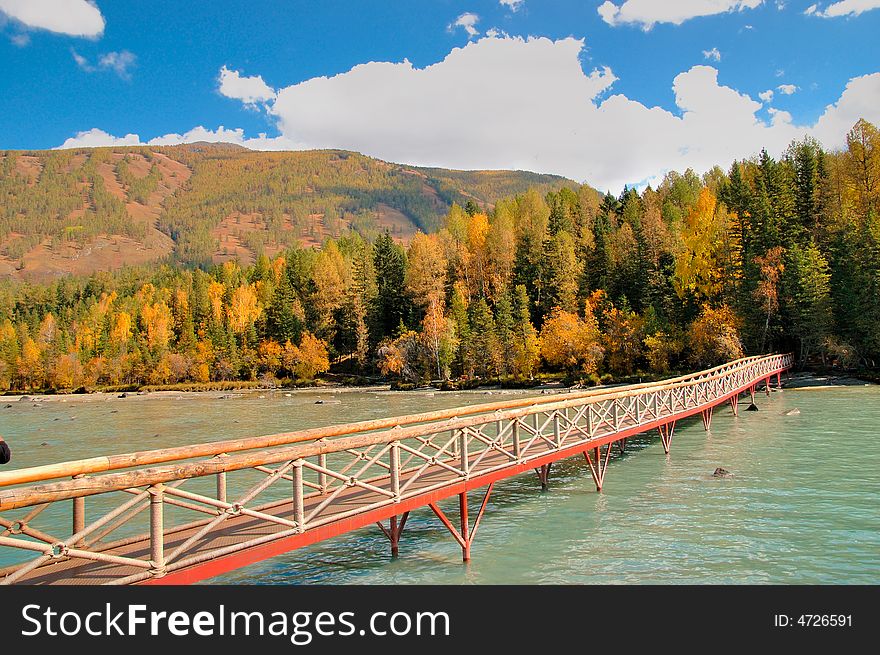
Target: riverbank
{"x":810,"y":380}
{"x":801,"y":380}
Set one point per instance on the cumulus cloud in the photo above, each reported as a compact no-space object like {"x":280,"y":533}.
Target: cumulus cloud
{"x":766,"y":96}
{"x":713,"y":55}
{"x":428,"y":116}
{"x":468,"y":23}
{"x":787,"y":89}
{"x":72,"y":17}
{"x":513,"y":5}
{"x":843,"y":8}
{"x":250,"y":90}
{"x":96,"y":138}
{"x":648,"y":13}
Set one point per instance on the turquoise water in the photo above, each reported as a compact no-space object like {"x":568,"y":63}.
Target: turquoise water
{"x":801,"y":506}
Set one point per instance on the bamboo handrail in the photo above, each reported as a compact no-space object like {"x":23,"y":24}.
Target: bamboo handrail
{"x":148,"y":457}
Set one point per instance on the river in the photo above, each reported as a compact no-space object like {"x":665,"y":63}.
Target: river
{"x":801,"y":506}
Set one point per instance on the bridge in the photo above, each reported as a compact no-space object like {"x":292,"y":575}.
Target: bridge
{"x":251,"y":499}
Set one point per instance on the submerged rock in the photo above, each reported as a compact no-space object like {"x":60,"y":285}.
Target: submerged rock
{"x":792,"y":412}
{"x":752,"y":408}
{"x":722,"y":473}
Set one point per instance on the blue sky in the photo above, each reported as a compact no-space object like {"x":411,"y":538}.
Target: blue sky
{"x":152,"y":69}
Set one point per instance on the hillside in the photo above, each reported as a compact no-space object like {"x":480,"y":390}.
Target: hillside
{"x":78,"y":211}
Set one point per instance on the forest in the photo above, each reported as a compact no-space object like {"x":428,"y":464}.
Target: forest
{"x":774,"y":254}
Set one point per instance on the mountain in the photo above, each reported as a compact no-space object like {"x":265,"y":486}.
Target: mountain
{"x":79,"y":211}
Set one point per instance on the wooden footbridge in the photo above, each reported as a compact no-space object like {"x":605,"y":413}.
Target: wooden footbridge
{"x":132,"y":520}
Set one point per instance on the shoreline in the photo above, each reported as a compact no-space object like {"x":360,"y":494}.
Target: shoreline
{"x":797,"y":381}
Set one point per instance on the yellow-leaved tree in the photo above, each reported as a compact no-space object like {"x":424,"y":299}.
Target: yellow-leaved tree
{"x":698,"y":271}
{"x":571,"y":343}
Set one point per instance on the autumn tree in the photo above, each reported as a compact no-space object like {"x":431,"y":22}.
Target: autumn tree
{"x":571,"y":343}
{"x":713,"y":337}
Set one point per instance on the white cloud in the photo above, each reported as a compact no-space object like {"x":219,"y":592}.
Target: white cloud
{"x":96,"y":138}
{"x":118,"y":62}
{"x":513,"y":5}
{"x":766,"y":96}
{"x":468,"y":22}
{"x":843,"y":8}
{"x":81,"y":61}
{"x":714,"y":54}
{"x":787,"y":89}
{"x":73,"y":17}
{"x":858,"y":100}
{"x":427,"y":116}
{"x":250,"y":90}
{"x":648,"y":13}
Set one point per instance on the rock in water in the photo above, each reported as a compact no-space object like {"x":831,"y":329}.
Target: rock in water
{"x":792,"y":412}
{"x":5,"y":454}
{"x":722,"y":473}
{"x":752,"y":408}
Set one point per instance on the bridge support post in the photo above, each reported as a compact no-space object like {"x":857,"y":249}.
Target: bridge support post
{"x":465,"y":537}
{"x":621,"y":445}
{"x":393,"y":532}
{"x":767,"y":386}
{"x":598,"y":468}
{"x":666,"y":431}
{"x":779,"y":380}
{"x":544,"y":475}
{"x":734,"y":404}
{"x":707,"y":418}
{"x":752,"y":393}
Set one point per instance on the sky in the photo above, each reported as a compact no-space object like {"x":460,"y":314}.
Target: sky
{"x":608,"y":92}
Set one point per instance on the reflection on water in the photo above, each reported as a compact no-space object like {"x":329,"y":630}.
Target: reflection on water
{"x":801,"y":506}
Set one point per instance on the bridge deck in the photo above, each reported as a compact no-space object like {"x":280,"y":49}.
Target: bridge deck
{"x":243,"y":528}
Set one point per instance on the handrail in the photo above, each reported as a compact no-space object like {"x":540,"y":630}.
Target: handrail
{"x":147,"y":457}
{"x":208,"y":449}
{"x":296,"y":449}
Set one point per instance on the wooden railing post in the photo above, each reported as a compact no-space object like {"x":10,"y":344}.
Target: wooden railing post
{"x":322,"y":477}
{"x":516,"y":447}
{"x":157,"y":529}
{"x":394,"y":470}
{"x":463,"y":449}
{"x":221,"y":483}
{"x":299,"y":510}
{"x":79,"y":513}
